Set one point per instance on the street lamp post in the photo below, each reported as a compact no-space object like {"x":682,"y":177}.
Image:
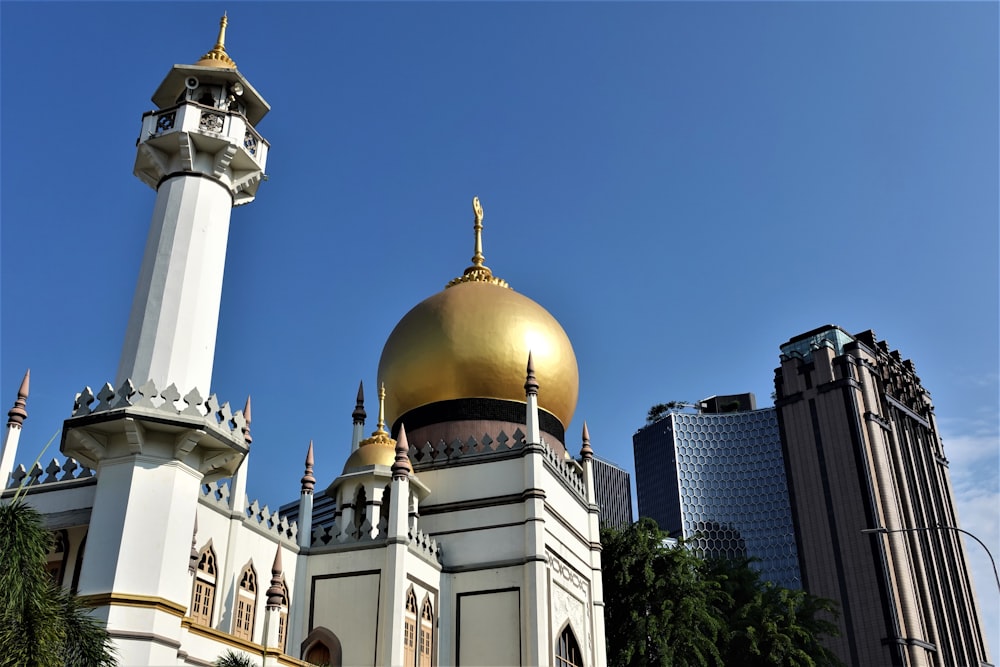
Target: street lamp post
{"x":918,"y":529}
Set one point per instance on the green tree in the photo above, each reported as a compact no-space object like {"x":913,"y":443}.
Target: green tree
{"x":41,"y":624}
{"x":667,"y":606}
{"x":660,"y":608}
{"x":768,"y":625}
{"x":234,"y":659}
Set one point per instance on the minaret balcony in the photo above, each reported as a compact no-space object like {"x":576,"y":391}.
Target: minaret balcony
{"x":192,"y":137}
{"x":208,"y":126}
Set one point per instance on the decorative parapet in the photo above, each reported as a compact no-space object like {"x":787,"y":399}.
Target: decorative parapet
{"x":568,"y":469}
{"x":217,"y":494}
{"x":430,"y":455}
{"x":333,"y":534}
{"x":424,"y":544}
{"x":447,"y":452}
{"x":54,"y":473}
{"x":149,"y":400}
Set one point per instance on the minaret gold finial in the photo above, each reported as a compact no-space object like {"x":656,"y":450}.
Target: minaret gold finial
{"x":220,"y":43}
{"x":478,"y":272}
{"x":218,"y":57}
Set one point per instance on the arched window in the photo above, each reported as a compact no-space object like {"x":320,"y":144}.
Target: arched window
{"x":568,"y":651}
{"x":246,"y":603}
{"x":203,"y":599}
{"x":383,"y":510}
{"x":426,"y":633}
{"x":322,"y":647}
{"x":410,"y":630}
{"x":283,"y":617}
{"x":56,"y":560}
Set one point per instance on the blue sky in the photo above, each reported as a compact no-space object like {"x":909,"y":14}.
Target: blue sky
{"x":683,"y":186}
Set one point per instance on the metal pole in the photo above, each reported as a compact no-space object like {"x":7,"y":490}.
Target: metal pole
{"x":886,"y":531}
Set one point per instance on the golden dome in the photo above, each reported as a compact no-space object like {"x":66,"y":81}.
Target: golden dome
{"x":471,"y":340}
{"x":218,"y":57}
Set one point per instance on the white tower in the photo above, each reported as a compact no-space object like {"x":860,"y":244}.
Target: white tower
{"x":200,"y":152}
{"x":152,"y":445}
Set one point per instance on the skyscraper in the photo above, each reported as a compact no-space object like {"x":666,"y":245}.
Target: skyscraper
{"x":613,"y":488}
{"x":717,"y":477}
{"x":863,"y":451}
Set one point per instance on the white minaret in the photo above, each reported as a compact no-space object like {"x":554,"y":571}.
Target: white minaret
{"x":152,"y":454}
{"x":200,"y":152}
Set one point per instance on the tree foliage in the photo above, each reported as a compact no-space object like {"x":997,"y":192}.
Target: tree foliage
{"x":41,"y":624}
{"x":658,"y":411}
{"x":666,"y":606}
{"x":233,"y":659}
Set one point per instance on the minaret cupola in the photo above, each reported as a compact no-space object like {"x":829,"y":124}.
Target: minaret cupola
{"x":214,"y":105}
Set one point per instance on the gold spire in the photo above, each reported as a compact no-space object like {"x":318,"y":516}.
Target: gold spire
{"x":478,"y":272}
{"x":218,"y":57}
{"x":477,"y":258}
{"x":379,"y":436}
{"x":381,"y":409}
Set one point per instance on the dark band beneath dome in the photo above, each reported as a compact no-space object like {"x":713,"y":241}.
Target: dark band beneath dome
{"x":471,"y":409}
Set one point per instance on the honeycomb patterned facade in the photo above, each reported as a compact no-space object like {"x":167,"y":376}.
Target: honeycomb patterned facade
{"x":720,"y":479}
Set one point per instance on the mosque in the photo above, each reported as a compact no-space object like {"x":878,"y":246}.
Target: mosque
{"x":462,"y":530}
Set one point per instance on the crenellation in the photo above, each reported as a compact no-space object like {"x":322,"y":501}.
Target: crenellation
{"x":473,"y":448}
{"x":219,"y":417}
{"x":424,"y":544}
{"x":34,"y":477}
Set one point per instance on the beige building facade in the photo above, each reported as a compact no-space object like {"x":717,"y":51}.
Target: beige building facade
{"x":863,"y":453}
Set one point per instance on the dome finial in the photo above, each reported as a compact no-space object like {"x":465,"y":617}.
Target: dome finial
{"x":18,"y":413}
{"x":586,"y":451}
{"x":218,"y":57}
{"x":478,"y":272}
{"x":381,"y":409}
{"x":308,"y":479}
{"x":477,"y":209}
{"x":359,"y":414}
{"x":401,"y":466}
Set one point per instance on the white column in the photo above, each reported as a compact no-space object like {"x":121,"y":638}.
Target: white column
{"x":536,"y":618}
{"x":598,"y":647}
{"x":306,"y":502}
{"x":138,"y":550}
{"x":397,"y":545}
{"x":171,"y":332}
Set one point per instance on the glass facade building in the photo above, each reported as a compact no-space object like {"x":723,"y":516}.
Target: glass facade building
{"x":613,"y":489}
{"x":719,"y":480}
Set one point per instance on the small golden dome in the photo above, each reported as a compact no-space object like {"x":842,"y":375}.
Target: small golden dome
{"x":471,"y":340}
{"x":381,"y":453}
{"x":218,"y":57}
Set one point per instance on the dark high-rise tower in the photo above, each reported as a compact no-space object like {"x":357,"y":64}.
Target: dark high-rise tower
{"x":613,"y":488}
{"x":862,"y":451}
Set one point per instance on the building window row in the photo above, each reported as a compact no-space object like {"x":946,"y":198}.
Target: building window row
{"x":203,"y":598}
{"x":418,"y":644}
